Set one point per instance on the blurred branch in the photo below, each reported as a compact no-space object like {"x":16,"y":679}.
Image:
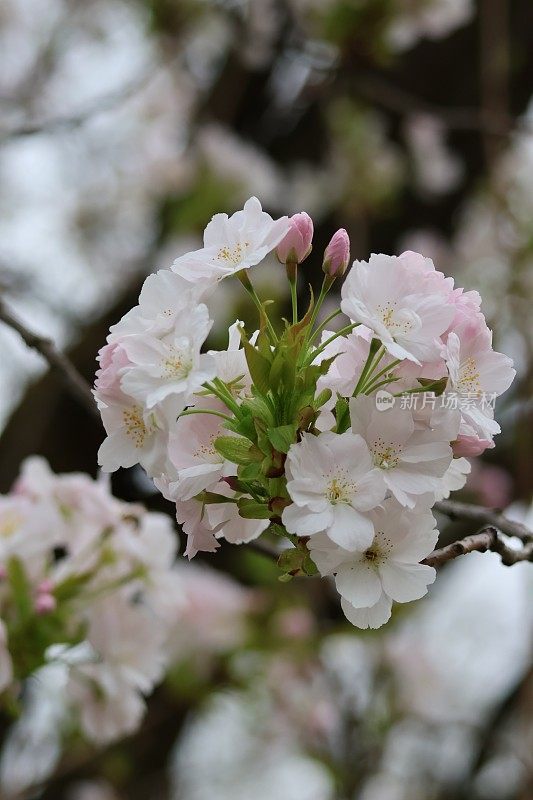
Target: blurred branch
{"x":57,"y":360}
{"x":391,"y":97}
{"x":485,"y":540}
{"x":99,"y":106}
{"x":484,"y":516}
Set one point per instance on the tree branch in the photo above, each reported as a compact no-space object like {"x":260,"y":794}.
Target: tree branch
{"x":484,"y":516}
{"x":485,"y":540}
{"x":67,"y":122}
{"x":402,"y":102}
{"x":57,"y":360}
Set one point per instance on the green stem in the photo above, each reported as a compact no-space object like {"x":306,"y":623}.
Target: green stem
{"x":294,"y":300}
{"x":376,"y":386}
{"x":373,"y":378}
{"x":327,"y":283}
{"x":323,"y":324}
{"x":244,"y":278}
{"x":191,"y":411}
{"x":374,"y":357}
{"x":219,"y":389}
{"x":332,"y":338}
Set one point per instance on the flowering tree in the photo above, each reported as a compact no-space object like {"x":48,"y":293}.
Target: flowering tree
{"x":313,"y":438}
{"x":326,"y":449}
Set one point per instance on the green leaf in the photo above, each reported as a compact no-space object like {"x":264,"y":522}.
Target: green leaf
{"x":250,"y":472}
{"x":323,"y":397}
{"x":435,"y":386}
{"x":258,"y":365}
{"x":291,"y":560}
{"x":258,"y":407}
{"x":234,"y":449}
{"x":309,"y":566}
{"x":342,"y":415}
{"x":250,"y":509}
{"x":214,"y":497}
{"x":282,"y":437}
{"x":277,"y":530}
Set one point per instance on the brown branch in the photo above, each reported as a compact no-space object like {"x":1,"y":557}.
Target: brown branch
{"x":70,"y":121}
{"x":399,"y":101}
{"x":485,"y":540}
{"x":57,"y":360}
{"x":484,"y":516}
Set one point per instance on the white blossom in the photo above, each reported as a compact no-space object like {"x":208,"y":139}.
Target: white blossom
{"x":231,"y":244}
{"x":388,"y":569}
{"x":333,"y":483}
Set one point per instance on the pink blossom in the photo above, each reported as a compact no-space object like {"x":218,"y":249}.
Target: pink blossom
{"x":337,"y":254}
{"x":45,"y":603}
{"x":113,"y":361}
{"x":470,"y":446}
{"x":404,"y":301}
{"x":232,"y":244}
{"x":296,"y":245}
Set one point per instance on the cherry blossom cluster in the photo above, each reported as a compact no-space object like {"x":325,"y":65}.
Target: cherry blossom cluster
{"x":88,"y":594}
{"x":296,"y":431}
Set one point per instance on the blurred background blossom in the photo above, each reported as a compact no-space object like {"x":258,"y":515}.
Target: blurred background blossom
{"x":124,"y":126}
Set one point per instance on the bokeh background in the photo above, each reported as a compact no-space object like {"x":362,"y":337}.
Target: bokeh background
{"x":124,"y":126}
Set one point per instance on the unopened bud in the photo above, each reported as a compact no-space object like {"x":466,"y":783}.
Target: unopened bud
{"x":296,"y":245}
{"x":337,"y":255}
{"x":45,"y":603}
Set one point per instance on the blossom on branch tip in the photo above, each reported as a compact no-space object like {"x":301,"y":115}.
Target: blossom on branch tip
{"x":388,"y":294}
{"x":333,"y":484}
{"x":297,"y":243}
{"x":231,"y":244}
{"x":337,"y":255}
{"x":388,"y":569}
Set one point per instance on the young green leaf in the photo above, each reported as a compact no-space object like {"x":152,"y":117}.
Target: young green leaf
{"x":250,"y":509}
{"x":282,"y":437}
{"x":235,"y":449}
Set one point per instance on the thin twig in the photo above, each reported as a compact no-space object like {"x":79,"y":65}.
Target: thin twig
{"x":485,"y":540}
{"x":484,"y":516}
{"x":402,"y":102}
{"x":69,"y":121}
{"x":57,"y":360}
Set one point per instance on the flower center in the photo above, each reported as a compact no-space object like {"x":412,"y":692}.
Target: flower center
{"x":469,"y":382}
{"x":340,"y":489}
{"x":387,"y":312}
{"x":206,"y":451}
{"x":379,"y":551}
{"x":233,"y":255}
{"x":177,"y":364}
{"x":386,"y":455}
{"x":135,"y":426}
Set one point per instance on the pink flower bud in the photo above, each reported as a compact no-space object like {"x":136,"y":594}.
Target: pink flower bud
{"x":45,"y":603}
{"x":337,"y":254}
{"x":45,"y":587}
{"x":296,"y":245}
{"x":113,"y":360}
